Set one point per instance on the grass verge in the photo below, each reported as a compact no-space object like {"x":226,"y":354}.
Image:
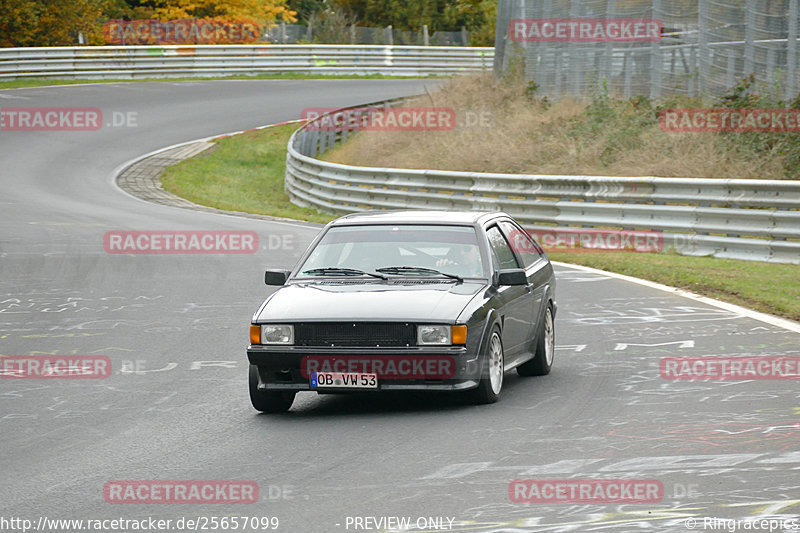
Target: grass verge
{"x":246,"y":172}
{"x":46,"y":82}
{"x":242,"y":173}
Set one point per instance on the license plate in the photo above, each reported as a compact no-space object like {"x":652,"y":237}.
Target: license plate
{"x":343,"y":380}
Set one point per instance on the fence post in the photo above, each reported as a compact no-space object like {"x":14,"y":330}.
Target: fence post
{"x":703,"y":50}
{"x":771,"y":62}
{"x":791,"y":55}
{"x":730,"y":78}
{"x":389,"y":36}
{"x":352,"y":34}
{"x":606,"y":70}
{"x":283,"y":33}
{"x":529,"y":53}
{"x":656,"y":59}
{"x":426,"y":41}
{"x":546,"y":54}
{"x":464,"y":36}
{"x":628,"y":62}
{"x":574,"y":68}
{"x":310,"y":32}
{"x":501,"y":36}
{"x":749,"y":37}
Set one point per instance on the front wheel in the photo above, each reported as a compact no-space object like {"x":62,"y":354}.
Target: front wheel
{"x":268,"y":401}
{"x":491,"y":382}
{"x":545,"y":349}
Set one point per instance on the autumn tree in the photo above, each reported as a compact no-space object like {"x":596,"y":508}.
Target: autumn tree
{"x":438,"y":15}
{"x":266,"y":11}
{"x":53,"y":22}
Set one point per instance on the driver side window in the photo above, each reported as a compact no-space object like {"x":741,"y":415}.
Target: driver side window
{"x":501,"y":249}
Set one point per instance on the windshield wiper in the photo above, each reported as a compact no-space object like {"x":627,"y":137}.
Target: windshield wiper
{"x":416,"y":270}
{"x":339,"y":271}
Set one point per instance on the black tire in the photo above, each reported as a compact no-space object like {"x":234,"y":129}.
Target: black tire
{"x":268,"y":402}
{"x":542,"y":362}
{"x":488,"y":390}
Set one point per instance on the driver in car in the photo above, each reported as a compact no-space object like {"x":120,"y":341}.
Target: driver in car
{"x":464,"y":260}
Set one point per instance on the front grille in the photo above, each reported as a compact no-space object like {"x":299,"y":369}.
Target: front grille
{"x":354,"y":334}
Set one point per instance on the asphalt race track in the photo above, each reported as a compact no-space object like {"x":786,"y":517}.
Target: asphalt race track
{"x":175,"y":329}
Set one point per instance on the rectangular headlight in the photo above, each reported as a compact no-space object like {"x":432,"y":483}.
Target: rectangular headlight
{"x":277,"y":334}
{"x":434,"y":335}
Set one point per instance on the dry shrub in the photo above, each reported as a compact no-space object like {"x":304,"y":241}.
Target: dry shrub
{"x":532,"y":136}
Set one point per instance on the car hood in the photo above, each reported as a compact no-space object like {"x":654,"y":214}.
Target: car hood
{"x":331,"y":301}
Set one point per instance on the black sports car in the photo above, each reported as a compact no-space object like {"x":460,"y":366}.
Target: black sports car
{"x":405,"y":300}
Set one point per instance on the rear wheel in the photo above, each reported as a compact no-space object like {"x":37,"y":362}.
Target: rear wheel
{"x":491,"y":382}
{"x":268,"y":401}
{"x":545,"y":348}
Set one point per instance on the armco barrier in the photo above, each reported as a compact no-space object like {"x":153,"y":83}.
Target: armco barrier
{"x":741,"y":219}
{"x":132,"y":62}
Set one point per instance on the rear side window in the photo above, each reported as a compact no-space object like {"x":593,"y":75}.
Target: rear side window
{"x":501,"y":249}
{"x":522,"y":243}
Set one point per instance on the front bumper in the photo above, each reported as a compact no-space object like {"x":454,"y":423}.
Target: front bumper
{"x":280,"y":367}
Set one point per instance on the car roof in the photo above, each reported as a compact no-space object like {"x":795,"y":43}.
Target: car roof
{"x":417,"y":216}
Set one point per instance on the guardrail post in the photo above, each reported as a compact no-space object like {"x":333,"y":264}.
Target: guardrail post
{"x":791,"y":52}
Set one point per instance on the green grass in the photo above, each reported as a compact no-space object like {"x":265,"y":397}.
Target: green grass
{"x":245,"y":173}
{"x":767,"y":287}
{"x":44,"y":82}
{"x":242,"y":173}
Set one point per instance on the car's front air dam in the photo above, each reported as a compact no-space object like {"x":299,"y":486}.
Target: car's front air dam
{"x":288,"y":368}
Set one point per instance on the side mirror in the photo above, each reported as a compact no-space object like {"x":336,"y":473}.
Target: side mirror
{"x":512,"y":276}
{"x":276,"y":277}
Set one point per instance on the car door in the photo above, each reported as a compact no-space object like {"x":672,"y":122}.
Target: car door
{"x":537,"y":270}
{"x":515,"y":300}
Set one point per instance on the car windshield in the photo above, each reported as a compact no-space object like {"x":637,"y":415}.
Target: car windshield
{"x":398,"y":250}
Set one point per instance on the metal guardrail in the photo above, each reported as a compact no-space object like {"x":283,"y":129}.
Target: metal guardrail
{"x":132,"y":62}
{"x":732,"y":218}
